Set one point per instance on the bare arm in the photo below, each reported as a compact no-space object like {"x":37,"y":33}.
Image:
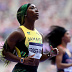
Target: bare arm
{"x":59,"y":63}
{"x":11,"y":41}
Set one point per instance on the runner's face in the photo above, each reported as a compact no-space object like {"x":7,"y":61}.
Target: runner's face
{"x":67,"y":37}
{"x":32,"y":12}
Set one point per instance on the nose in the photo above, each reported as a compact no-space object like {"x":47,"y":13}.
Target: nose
{"x":36,"y":10}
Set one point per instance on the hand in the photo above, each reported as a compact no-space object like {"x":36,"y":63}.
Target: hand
{"x":54,"y":51}
{"x":29,"y":60}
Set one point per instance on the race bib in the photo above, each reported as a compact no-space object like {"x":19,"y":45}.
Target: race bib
{"x":35,"y":48}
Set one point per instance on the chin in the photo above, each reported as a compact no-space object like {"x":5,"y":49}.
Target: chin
{"x":37,"y":17}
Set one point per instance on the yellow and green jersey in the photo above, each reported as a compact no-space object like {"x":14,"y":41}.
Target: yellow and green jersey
{"x":32,"y":44}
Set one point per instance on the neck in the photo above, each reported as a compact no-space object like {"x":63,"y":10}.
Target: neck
{"x":29,"y":24}
{"x":64,"y":44}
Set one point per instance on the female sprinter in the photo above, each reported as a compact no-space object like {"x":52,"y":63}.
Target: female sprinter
{"x":24,"y":45}
{"x":59,"y":37}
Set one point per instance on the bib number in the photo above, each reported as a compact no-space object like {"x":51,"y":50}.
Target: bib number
{"x":35,"y":48}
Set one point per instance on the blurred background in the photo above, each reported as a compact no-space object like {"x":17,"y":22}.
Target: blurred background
{"x":51,"y":12}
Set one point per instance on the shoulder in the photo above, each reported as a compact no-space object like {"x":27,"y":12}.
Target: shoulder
{"x":61,"y":51}
{"x":16,"y":35}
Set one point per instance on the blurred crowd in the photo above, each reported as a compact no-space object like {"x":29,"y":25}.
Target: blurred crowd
{"x":51,"y":12}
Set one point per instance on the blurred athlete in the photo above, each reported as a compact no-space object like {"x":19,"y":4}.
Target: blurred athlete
{"x":59,"y":37}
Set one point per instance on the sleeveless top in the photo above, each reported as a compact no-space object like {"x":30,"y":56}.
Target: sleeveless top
{"x":32,"y":44}
{"x":65,"y":59}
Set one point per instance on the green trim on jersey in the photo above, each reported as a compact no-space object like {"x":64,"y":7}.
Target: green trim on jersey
{"x":30,"y":36}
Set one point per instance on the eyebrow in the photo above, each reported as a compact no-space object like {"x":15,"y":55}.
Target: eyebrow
{"x":33,"y":6}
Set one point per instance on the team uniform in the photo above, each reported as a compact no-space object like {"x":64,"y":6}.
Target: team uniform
{"x":32,"y":44}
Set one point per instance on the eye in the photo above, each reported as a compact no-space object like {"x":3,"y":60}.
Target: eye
{"x":32,"y":7}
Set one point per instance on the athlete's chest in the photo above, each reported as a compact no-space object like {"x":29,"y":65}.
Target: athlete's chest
{"x":33,"y":36}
